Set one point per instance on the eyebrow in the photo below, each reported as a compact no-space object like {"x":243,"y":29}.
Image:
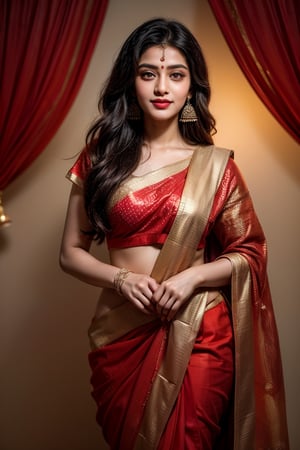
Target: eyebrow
{"x":173,"y":66}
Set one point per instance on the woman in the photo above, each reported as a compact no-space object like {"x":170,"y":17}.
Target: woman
{"x":174,"y":364}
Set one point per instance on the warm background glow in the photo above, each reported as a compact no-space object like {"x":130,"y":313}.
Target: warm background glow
{"x":45,"y":402}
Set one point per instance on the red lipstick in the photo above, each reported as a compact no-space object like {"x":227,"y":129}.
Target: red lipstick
{"x":161,"y":103}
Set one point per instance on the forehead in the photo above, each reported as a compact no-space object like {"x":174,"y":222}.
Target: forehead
{"x":172,"y":55}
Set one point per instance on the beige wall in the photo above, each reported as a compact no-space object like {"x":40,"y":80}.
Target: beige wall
{"x":45,"y":402}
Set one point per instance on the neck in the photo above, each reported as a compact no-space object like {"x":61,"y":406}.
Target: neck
{"x":163,"y":134}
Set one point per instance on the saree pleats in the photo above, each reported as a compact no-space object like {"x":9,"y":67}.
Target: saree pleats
{"x":166,"y":385}
{"x":205,"y":394}
{"x":122,"y":375}
{"x":122,"y":389}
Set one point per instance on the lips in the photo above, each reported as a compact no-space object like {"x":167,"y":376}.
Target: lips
{"x":161,"y":104}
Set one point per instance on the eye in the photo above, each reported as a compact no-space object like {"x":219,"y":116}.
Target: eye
{"x":177,"y":76}
{"x":147,"y":75}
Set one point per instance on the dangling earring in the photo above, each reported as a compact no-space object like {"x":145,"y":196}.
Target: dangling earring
{"x":188,"y":113}
{"x":134,"y":112}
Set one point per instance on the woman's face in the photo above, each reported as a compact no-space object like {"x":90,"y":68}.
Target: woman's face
{"x":162,"y":83}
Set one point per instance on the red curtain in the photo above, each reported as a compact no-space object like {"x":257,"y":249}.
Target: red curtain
{"x":45,"y":49}
{"x":264,"y":37}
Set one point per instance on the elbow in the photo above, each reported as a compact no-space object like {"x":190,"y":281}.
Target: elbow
{"x":72,"y":258}
{"x":64,"y":262}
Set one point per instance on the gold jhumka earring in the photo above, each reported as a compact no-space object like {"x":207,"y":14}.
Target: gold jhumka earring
{"x":188,"y":113}
{"x":134,"y":112}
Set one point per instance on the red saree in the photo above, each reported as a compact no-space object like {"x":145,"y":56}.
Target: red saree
{"x":122,"y":386}
{"x":144,"y":374}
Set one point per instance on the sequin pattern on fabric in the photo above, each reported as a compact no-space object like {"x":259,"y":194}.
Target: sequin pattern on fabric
{"x":145,"y":216}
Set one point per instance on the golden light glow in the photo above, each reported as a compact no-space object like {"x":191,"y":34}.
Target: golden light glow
{"x":5,"y":220}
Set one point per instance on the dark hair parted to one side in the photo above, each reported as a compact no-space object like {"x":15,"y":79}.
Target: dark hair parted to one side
{"x":114,"y":142}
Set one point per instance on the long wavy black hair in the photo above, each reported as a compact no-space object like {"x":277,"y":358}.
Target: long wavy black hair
{"x":114,"y":141}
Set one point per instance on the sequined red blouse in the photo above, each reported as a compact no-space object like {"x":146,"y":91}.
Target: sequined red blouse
{"x":145,"y":213}
{"x":145,"y":216}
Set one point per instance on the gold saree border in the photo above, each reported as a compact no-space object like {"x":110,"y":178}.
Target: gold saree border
{"x":166,"y":386}
{"x":244,"y":398}
{"x":253,"y":410}
{"x":176,"y":255}
{"x":193,"y":212}
{"x":116,"y":318}
{"x":74,"y":179}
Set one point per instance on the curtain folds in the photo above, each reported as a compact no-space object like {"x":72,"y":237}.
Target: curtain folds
{"x":264,"y":38}
{"x":45,"y":50}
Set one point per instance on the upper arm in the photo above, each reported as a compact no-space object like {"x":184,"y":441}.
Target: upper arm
{"x":76,"y":223}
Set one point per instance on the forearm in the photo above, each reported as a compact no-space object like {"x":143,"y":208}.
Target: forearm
{"x":84,"y":266}
{"x":212,"y":274}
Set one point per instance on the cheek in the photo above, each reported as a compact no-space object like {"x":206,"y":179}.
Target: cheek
{"x":140,"y":89}
{"x":182,"y":95}
{"x":182,"y":89}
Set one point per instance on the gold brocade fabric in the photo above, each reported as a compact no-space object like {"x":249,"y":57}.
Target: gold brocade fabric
{"x":259,"y":410}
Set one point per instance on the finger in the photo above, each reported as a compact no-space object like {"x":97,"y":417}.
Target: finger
{"x":158,"y":294}
{"x":143,"y":299}
{"x":165,"y":304}
{"x":161,"y":305}
{"x":142,"y":307}
{"x":148,"y":293}
{"x":153,"y":285}
{"x":172,"y":312}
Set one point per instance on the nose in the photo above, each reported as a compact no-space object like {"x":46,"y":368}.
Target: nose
{"x":161,"y":87}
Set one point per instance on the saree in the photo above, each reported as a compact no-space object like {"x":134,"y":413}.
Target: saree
{"x":215,"y":209}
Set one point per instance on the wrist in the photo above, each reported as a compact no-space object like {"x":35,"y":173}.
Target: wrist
{"x":119,"y":279}
{"x":198,"y":276}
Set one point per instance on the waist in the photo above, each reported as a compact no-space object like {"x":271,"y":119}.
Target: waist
{"x":142,"y":259}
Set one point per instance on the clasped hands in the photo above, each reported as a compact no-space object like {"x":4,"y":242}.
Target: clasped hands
{"x":161,"y":299}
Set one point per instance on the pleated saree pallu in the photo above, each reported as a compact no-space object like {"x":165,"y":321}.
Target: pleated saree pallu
{"x":139,"y":365}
